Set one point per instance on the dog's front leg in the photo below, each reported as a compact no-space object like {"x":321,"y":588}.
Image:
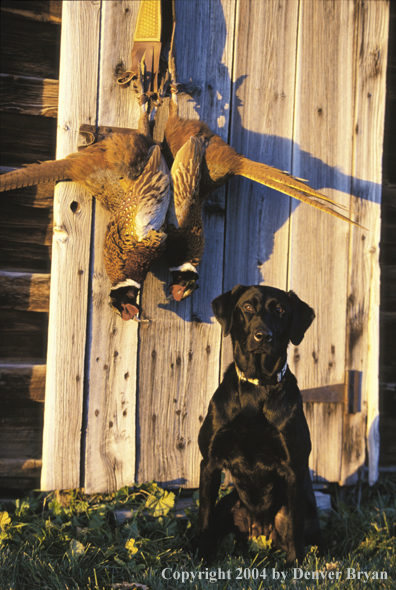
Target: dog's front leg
{"x":209,"y":483}
{"x":297,"y":500}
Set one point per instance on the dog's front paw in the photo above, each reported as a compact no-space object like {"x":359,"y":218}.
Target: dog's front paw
{"x":295,"y":555}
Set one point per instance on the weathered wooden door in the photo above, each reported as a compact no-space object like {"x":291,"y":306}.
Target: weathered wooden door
{"x":298,"y":85}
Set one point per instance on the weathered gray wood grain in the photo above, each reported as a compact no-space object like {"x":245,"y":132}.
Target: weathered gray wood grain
{"x":71,"y":255}
{"x":325,"y":423}
{"x":323,"y":154}
{"x":372,"y":19}
{"x":110,"y":435}
{"x":318,"y":261}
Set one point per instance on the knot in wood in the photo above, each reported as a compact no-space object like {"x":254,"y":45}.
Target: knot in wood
{"x":61,"y":235}
{"x":181,"y":444}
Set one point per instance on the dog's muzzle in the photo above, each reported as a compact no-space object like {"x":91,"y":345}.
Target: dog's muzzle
{"x":261,"y":338}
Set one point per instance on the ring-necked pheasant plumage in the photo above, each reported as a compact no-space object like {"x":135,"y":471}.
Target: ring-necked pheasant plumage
{"x":135,"y":236}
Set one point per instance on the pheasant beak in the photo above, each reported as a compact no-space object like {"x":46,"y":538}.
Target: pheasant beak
{"x":182,"y":291}
{"x":177,"y":292}
{"x":129,"y":311}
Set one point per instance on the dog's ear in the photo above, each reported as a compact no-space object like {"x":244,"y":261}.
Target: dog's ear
{"x":303,"y":316}
{"x":223,"y":307}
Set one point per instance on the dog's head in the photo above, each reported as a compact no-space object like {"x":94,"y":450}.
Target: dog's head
{"x":262,"y":320}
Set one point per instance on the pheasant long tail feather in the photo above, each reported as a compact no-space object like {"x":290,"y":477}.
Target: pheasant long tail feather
{"x":288,"y":185}
{"x":35,"y":174}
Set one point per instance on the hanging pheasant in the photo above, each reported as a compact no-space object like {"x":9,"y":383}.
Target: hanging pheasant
{"x":135,"y":236}
{"x":129,"y":176}
{"x":219,"y":163}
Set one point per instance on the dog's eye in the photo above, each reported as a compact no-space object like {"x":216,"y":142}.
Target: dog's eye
{"x":279,"y":309}
{"x":248,"y":308}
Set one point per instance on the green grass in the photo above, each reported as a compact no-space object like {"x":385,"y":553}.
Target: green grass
{"x":70,"y":541}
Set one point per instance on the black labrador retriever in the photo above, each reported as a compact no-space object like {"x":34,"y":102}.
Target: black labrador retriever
{"x":256,"y":428}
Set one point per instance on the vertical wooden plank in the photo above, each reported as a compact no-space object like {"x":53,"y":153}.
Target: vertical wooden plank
{"x":257,"y":239}
{"x":372,"y":20}
{"x":353,"y":447}
{"x":323,"y":153}
{"x":179,"y":350}
{"x":325,"y":425}
{"x":261,"y":129}
{"x":318,"y":271}
{"x":342,"y":60}
{"x":110,"y":434}
{"x":71,"y":254}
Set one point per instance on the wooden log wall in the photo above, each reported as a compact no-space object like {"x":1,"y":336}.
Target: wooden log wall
{"x":148,"y":388}
{"x":30,"y":39}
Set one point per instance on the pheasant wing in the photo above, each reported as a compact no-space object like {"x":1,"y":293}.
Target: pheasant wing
{"x":147,"y":201}
{"x":186,"y":173}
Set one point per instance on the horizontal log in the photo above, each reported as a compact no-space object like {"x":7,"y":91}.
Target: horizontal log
{"x":17,"y":417}
{"x":24,"y":336}
{"x":17,"y":485}
{"x":25,"y":225}
{"x":20,"y":427}
{"x":26,"y":139}
{"x":23,"y":443}
{"x":26,"y":228}
{"x":29,"y":96}
{"x":20,"y":468}
{"x":30,"y":258}
{"x":39,"y":10}
{"x":24,"y":291}
{"x":20,"y":383}
{"x":40,"y":197}
{"x":29,"y":47}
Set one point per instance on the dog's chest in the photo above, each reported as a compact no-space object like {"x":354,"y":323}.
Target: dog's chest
{"x":262,"y":432}
{"x":250,"y":439}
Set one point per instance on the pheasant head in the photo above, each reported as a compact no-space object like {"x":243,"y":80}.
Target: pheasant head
{"x":123,"y":300}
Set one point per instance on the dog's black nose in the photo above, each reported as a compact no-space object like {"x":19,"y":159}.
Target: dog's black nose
{"x":260,"y":335}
